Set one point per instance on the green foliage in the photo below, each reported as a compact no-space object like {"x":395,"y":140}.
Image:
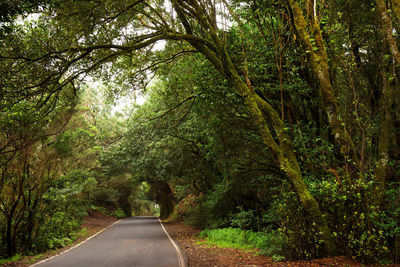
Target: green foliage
{"x":63,"y":145}
{"x":58,"y":242}
{"x":14,"y":258}
{"x":35,"y":258}
{"x":97,"y":208}
{"x":389,"y":221}
{"x":57,"y":178}
{"x":270,"y":244}
{"x":64,"y":210}
{"x":119,"y":214}
{"x":244,"y":219}
{"x":230,"y":237}
{"x":301,"y":240}
{"x":210,"y":210}
{"x":194,"y":142}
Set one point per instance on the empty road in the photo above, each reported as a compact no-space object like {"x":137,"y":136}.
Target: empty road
{"x":135,"y":241}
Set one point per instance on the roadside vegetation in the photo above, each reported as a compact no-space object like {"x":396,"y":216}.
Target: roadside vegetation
{"x":234,"y":237}
{"x":270,"y":124}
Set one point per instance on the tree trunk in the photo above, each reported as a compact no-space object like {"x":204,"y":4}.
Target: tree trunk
{"x":288,"y":163}
{"x":318,"y":62}
{"x":284,"y":153}
{"x":388,"y":30}
{"x":261,"y":111}
{"x":161,"y":192}
{"x":386,"y":122}
{"x":9,"y":239}
{"x":396,"y":8}
{"x":385,"y":131}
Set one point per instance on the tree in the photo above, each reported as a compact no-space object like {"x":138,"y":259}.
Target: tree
{"x":335,"y":65}
{"x":208,"y":42}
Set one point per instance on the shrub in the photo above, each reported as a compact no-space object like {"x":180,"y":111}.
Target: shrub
{"x":119,"y":214}
{"x":211,"y":210}
{"x":244,"y":219}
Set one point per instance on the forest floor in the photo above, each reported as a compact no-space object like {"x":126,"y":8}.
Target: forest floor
{"x":94,"y":223}
{"x":201,"y":254}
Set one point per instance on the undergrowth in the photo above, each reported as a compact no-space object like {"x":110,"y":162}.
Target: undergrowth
{"x":269,"y":244}
{"x":14,"y":258}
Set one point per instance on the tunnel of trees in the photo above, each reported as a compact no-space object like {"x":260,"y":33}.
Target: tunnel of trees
{"x":276,"y":116}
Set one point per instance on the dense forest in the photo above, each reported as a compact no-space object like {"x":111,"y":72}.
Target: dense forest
{"x":275,"y":117}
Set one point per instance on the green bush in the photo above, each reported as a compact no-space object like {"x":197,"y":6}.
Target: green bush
{"x":59,"y":242}
{"x":119,"y":214}
{"x":361,"y":231}
{"x":356,"y":225}
{"x":211,"y":210}
{"x":244,"y":219}
{"x":97,"y":208}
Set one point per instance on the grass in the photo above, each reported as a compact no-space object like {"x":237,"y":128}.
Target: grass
{"x":269,"y":244}
{"x":14,"y":258}
{"x":235,"y":238}
{"x":35,"y":258}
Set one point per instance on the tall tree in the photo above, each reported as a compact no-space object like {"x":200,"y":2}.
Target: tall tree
{"x":196,"y":26}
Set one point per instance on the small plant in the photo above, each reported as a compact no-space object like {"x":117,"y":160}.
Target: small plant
{"x":35,"y":258}
{"x":59,"y":242}
{"x":244,"y":219}
{"x":97,"y":208}
{"x":14,"y":258}
{"x":119,"y":214}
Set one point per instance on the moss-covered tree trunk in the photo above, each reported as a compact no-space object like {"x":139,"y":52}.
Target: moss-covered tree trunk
{"x":318,"y":63}
{"x":386,"y":102}
{"x":261,"y":112}
{"x":384,"y":140}
{"x":315,"y":50}
{"x":396,"y":8}
{"x":286,"y":158}
{"x":388,"y":28}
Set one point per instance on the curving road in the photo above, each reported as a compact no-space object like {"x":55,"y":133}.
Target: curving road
{"x":135,"y":241}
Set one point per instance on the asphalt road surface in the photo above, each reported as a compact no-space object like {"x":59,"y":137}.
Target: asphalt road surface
{"x":135,"y":241}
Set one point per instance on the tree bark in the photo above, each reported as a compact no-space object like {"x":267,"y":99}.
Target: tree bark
{"x":384,"y":141}
{"x":396,"y":8}
{"x":388,"y":29}
{"x":318,"y":62}
{"x":386,"y":102}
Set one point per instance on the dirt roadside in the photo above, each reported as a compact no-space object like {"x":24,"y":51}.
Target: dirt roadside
{"x":203,"y":255}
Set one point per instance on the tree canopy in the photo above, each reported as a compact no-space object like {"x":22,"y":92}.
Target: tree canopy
{"x":279,"y":116}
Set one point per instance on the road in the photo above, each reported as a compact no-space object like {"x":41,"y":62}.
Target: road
{"x":135,"y":241}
